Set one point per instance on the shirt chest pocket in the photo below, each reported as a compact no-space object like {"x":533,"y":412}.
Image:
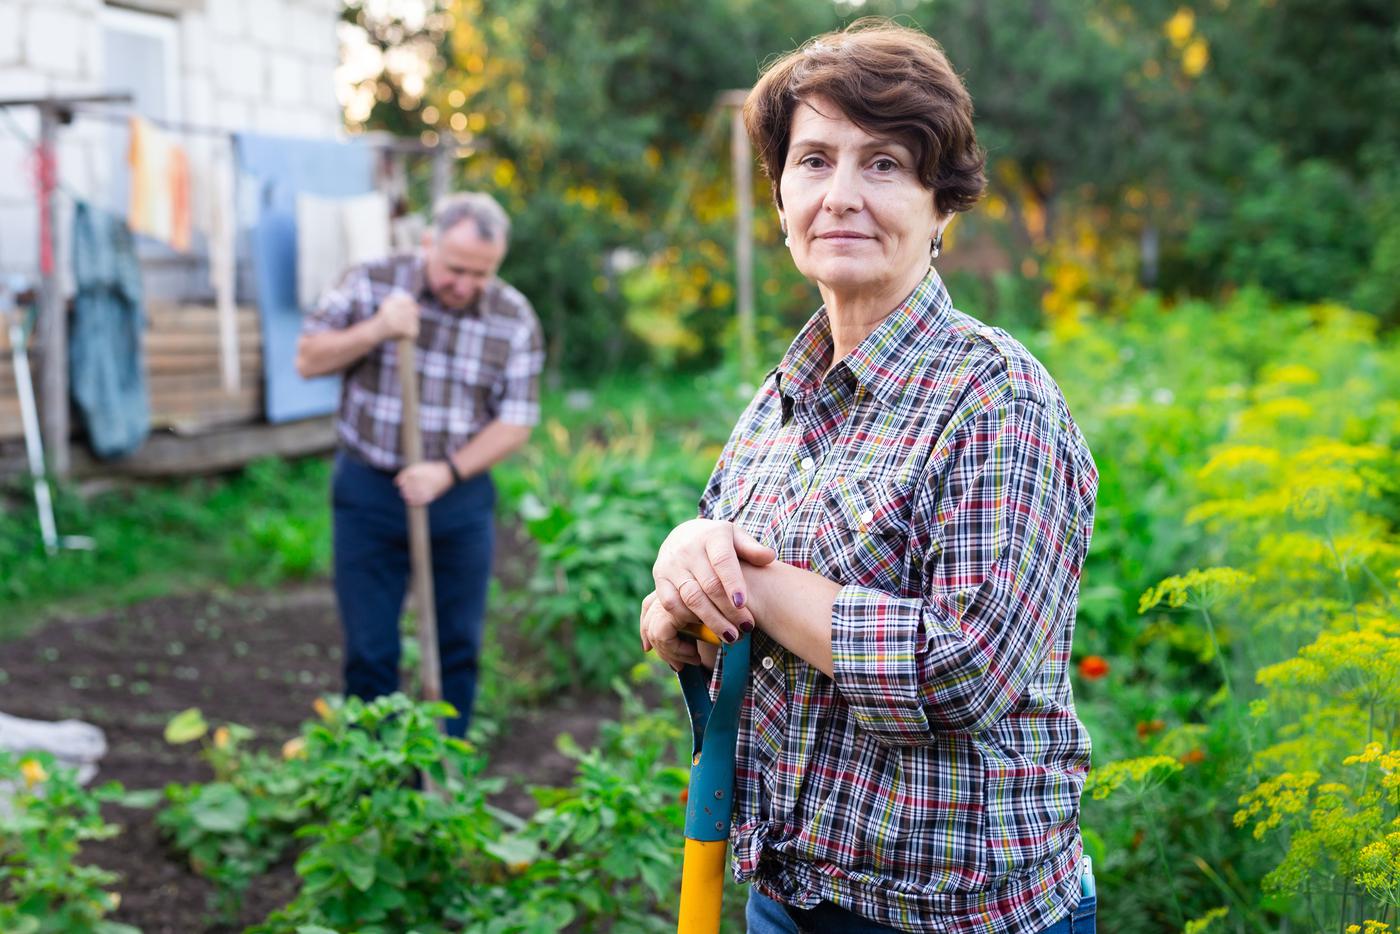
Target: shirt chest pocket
{"x":480,"y":360}
{"x":862,"y":533}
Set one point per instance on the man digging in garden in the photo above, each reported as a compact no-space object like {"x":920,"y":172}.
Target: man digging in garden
{"x":478,"y":357}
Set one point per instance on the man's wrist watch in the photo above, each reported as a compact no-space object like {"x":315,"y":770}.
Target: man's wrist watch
{"x":456,"y":474}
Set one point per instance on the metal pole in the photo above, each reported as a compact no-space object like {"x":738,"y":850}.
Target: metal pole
{"x":442,"y":175}
{"x":53,"y":319}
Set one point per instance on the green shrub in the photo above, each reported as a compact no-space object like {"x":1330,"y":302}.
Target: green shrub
{"x":43,"y":887}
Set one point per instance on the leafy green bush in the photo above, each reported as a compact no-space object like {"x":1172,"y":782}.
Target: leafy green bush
{"x":376,"y":854}
{"x":235,"y":827}
{"x":1266,"y":458}
{"x":597,"y":509}
{"x":43,"y":825}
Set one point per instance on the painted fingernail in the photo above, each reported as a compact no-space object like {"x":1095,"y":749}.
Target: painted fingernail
{"x":746,"y":625}
{"x":730,"y":636}
{"x":739,"y":599}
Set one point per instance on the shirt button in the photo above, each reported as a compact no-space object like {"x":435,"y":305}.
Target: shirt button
{"x":808,"y":463}
{"x":867,"y":516}
{"x":768,"y":662}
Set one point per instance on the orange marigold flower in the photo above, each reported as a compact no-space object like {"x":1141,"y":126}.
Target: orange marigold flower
{"x":1093,"y":667}
{"x":1193,"y":756}
{"x":1146,"y":728}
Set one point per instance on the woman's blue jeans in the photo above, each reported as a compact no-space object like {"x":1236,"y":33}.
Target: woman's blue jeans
{"x":766,"y":916}
{"x":372,"y":573}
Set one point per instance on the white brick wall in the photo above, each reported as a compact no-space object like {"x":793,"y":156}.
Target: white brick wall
{"x":49,"y":31}
{"x":19,"y":247}
{"x":263,"y":65}
{"x":226,"y":17}
{"x":238,"y":69}
{"x":12,"y":40}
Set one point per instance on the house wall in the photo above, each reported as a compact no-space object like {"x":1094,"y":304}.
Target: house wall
{"x":239,"y":65}
{"x":255,"y":65}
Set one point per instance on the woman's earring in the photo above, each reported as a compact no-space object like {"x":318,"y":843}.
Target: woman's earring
{"x":937,"y":246}
{"x":787,"y":241}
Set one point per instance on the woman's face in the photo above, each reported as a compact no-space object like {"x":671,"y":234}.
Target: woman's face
{"x":859,"y":221}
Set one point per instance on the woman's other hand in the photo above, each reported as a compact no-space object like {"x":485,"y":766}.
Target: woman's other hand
{"x":662,"y":631}
{"x":699,"y":578}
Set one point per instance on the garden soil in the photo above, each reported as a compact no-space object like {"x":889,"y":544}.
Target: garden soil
{"x":255,"y":658}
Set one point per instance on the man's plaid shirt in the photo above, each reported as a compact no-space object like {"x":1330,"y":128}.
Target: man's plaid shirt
{"x":935,"y":472}
{"x":475,"y":365}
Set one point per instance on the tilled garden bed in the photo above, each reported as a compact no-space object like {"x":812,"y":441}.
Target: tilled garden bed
{"x":255,"y":658}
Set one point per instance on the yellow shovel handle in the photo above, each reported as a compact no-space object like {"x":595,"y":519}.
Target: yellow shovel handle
{"x":703,"y":633}
{"x":702,"y":886}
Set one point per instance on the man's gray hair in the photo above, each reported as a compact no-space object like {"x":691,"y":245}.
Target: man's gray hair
{"x":475,"y":206}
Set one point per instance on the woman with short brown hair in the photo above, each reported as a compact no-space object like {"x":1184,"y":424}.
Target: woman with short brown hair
{"x":898,"y":522}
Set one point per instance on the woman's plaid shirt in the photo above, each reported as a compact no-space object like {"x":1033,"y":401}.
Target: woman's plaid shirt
{"x":935,"y":472}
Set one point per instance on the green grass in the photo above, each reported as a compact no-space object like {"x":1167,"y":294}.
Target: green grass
{"x":265,"y":524}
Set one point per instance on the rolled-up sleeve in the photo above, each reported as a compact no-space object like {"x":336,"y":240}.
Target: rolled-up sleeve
{"x":520,"y":400}
{"x":1005,"y":549}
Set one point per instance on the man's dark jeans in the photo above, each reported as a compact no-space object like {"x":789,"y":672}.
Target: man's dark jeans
{"x":372,"y":574}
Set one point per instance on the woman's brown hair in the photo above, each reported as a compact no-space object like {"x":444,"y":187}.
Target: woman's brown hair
{"x":890,"y":81}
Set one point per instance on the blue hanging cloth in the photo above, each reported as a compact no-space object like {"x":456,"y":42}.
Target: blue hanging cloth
{"x":280,"y":168}
{"x":106,"y":370}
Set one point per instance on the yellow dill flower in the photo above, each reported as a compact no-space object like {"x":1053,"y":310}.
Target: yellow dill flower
{"x":1359,"y":665}
{"x":1198,"y":589}
{"x":1138,"y":775}
{"x":1371,"y":754}
{"x":1372,"y":927}
{"x":1266,"y":414}
{"x":1291,"y":374}
{"x":1285,"y":795}
{"x":1238,"y":458}
{"x":1206,"y":921}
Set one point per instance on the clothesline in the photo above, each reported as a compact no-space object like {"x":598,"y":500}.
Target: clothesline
{"x":170,"y":126}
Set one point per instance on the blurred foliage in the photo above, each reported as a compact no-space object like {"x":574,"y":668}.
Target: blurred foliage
{"x":1240,"y":606}
{"x":1191,"y":146}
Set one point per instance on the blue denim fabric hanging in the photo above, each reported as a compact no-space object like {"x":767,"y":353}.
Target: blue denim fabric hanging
{"x":105,"y":363}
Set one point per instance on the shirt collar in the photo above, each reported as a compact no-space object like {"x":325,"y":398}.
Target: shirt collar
{"x":883,"y":361}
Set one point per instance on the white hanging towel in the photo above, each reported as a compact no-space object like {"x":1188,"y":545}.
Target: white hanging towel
{"x":334,"y":234}
{"x":215,"y":216}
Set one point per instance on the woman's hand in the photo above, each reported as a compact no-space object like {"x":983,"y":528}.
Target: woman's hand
{"x":699,"y":578}
{"x":662,"y":631}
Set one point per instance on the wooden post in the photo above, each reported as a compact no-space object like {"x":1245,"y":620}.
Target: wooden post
{"x":53,"y":317}
{"x":419,"y":543}
{"x":53,"y":314}
{"x":442,"y":175}
{"x":741,"y":158}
